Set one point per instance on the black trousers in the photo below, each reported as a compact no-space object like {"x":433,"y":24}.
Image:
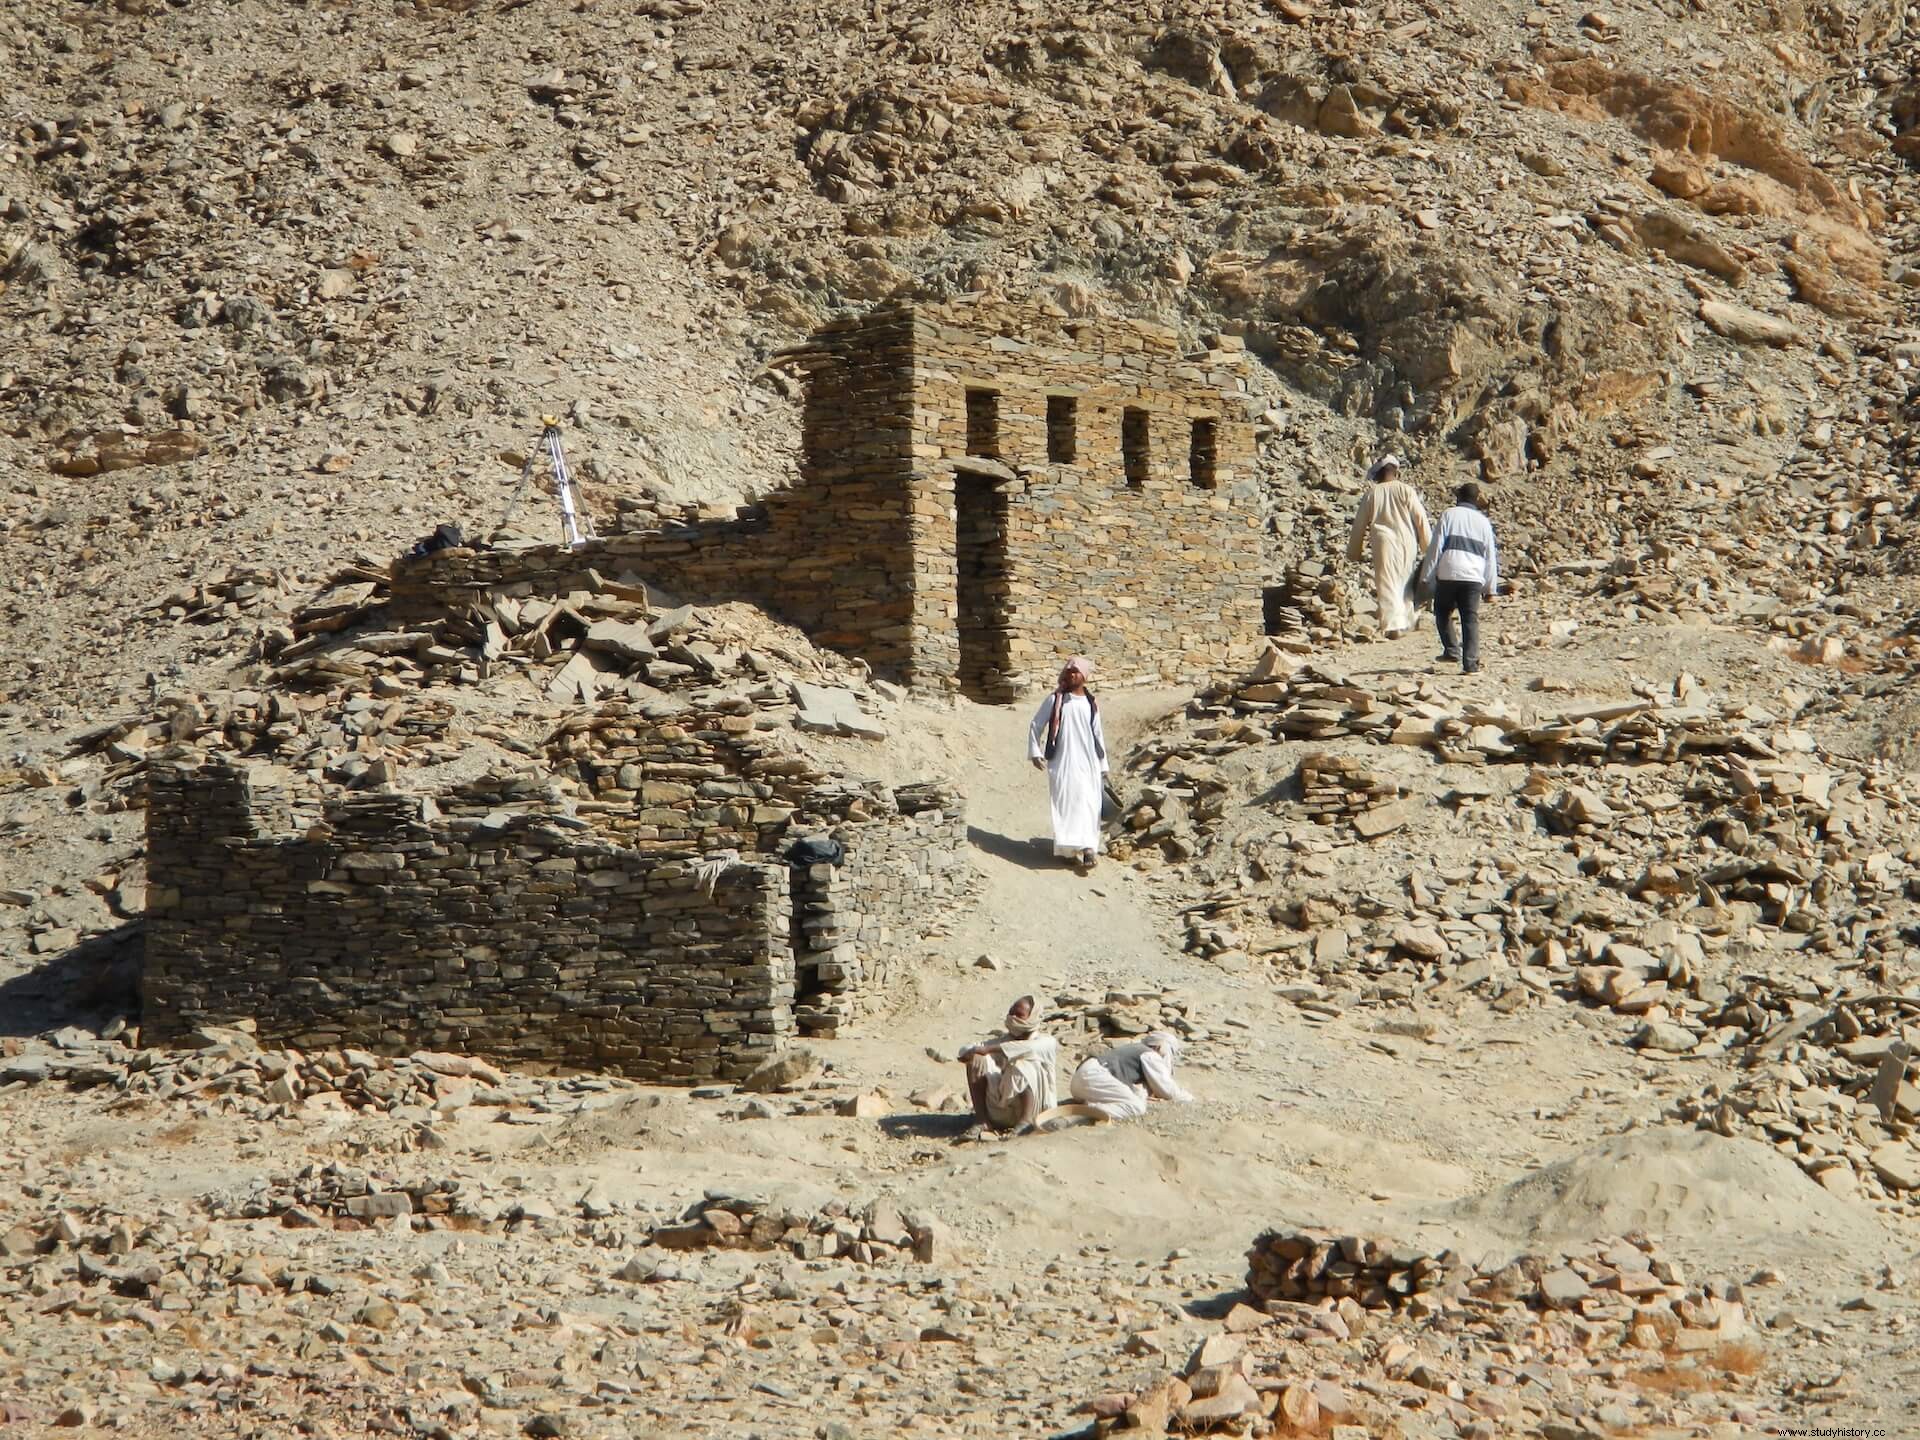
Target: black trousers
{"x":1462,"y":596}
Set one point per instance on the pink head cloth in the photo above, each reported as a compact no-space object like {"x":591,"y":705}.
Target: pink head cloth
{"x":1083,"y":665}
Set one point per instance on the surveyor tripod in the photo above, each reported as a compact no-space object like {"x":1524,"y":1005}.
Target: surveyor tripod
{"x":576,"y":525}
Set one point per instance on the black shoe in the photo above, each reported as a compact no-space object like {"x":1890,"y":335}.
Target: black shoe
{"x":1469,"y":669}
{"x":1444,"y":658}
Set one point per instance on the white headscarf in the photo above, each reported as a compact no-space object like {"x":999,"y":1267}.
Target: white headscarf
{"x":1016,"y":1027}
{"x":1165,"y":1041}
{"x":1379,"y":466}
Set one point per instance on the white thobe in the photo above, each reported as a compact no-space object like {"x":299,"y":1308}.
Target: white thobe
{"x":1073,"y":774}
{"x":1393,"y":525}
{"x":1021,"y":1082}
{"x":1098,"y":1088}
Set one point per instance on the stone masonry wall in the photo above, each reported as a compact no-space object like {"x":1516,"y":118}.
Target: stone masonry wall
{"x":858,"y":926}
{"x":831,"y":554}
{"x":387,"y":926}
{"x":699,"y":780}
{"x":1151,"y":565}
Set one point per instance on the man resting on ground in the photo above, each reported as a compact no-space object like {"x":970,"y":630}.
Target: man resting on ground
{"x":1015,"y":1076}
{"x":1117,"y":1084}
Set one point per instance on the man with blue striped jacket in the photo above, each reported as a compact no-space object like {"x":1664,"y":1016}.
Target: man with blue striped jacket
{"x":1462,"y":568}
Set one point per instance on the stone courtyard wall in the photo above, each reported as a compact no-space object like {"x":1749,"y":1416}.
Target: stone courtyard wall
{"x":385,"y":925}
{"x":396,"y":922}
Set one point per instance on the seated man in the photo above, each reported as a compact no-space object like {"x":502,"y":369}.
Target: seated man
{"x":1015,"y":1077}
{"x":1116,"y":1085}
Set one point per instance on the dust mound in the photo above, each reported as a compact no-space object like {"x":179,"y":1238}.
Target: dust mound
{"x":1680,"y":1184}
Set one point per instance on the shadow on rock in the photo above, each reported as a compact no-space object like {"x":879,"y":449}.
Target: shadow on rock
{"x":96,"y":981}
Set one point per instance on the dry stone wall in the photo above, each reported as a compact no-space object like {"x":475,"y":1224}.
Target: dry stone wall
{"x":981,"y":490}
{"x":695,"y":780}
{"x":385,"y":925}
{"x":857,"y":925}
{"x":1122,"y":525}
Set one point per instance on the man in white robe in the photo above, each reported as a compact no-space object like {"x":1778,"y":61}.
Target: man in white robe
{"x":1392,"y":524}
{"x":1067,"y":742}
{"x":1014,"y":1077}
{"x":1116,"y":1085}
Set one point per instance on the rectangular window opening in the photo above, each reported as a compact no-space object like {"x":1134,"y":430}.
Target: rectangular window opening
{"x":1060,"y":439}
{"x":1202,"y":454}
{"x":1133,"y":446}
{"x":983,"y":423}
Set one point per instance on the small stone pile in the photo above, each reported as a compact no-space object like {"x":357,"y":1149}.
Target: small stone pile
{"x":236,"y":594}
{"x":1350,"y":1330}
{"x":1339,"y":789}
{"x":345,"y":1196}
{"x":1622,"y":1281}
{"x":1308,"y":607}
{"x":1221,"y":1388}
{"x":1302,"y":1265}
{"x":868,"y":1234}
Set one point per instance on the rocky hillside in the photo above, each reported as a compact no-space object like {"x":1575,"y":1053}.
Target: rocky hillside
{"x":287,"y":282}
{"x":1534,"y":961}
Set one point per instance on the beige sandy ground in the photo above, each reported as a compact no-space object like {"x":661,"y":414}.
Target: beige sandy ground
{"x":1497,"y":1133}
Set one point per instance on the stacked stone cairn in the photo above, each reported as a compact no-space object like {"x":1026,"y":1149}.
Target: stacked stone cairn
{"x":1337,"y":789}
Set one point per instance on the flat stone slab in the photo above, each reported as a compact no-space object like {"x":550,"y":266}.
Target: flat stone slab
{"x":616,"y":637}
{"x":829,"y":711}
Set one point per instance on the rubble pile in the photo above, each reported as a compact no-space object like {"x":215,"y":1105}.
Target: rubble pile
{"x":1348,"y":1325}
{"x":1646,"y":844}
{"x":346,"y":1196}
{"x":360,"y":705}
{"x":1827,"y":1086}
{"x":224,"y":1071}
{"x":234,"y":595}
{"x":867,"y":1235}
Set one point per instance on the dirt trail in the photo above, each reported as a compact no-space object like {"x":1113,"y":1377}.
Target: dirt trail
{"x":1301,"y":1120}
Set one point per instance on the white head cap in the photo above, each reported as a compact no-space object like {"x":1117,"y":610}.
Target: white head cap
{"x":1385,"y":463}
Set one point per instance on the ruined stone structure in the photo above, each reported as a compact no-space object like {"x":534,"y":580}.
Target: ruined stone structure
{"x":395,"y":922}
{"x":982,"y":490}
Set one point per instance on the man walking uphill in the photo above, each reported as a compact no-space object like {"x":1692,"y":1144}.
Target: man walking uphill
{"x":1391,"y":525}
{"x":1066,"y":741}
{"x":1463,"y":566}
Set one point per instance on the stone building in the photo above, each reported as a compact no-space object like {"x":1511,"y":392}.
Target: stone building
{"x":663,"y":933}
{"x":982,"y":489}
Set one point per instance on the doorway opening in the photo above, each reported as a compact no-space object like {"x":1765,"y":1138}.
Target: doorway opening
{"x":985,"y":588}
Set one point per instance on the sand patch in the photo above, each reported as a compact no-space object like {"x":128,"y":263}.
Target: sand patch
{"x":1714,"y":1193}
